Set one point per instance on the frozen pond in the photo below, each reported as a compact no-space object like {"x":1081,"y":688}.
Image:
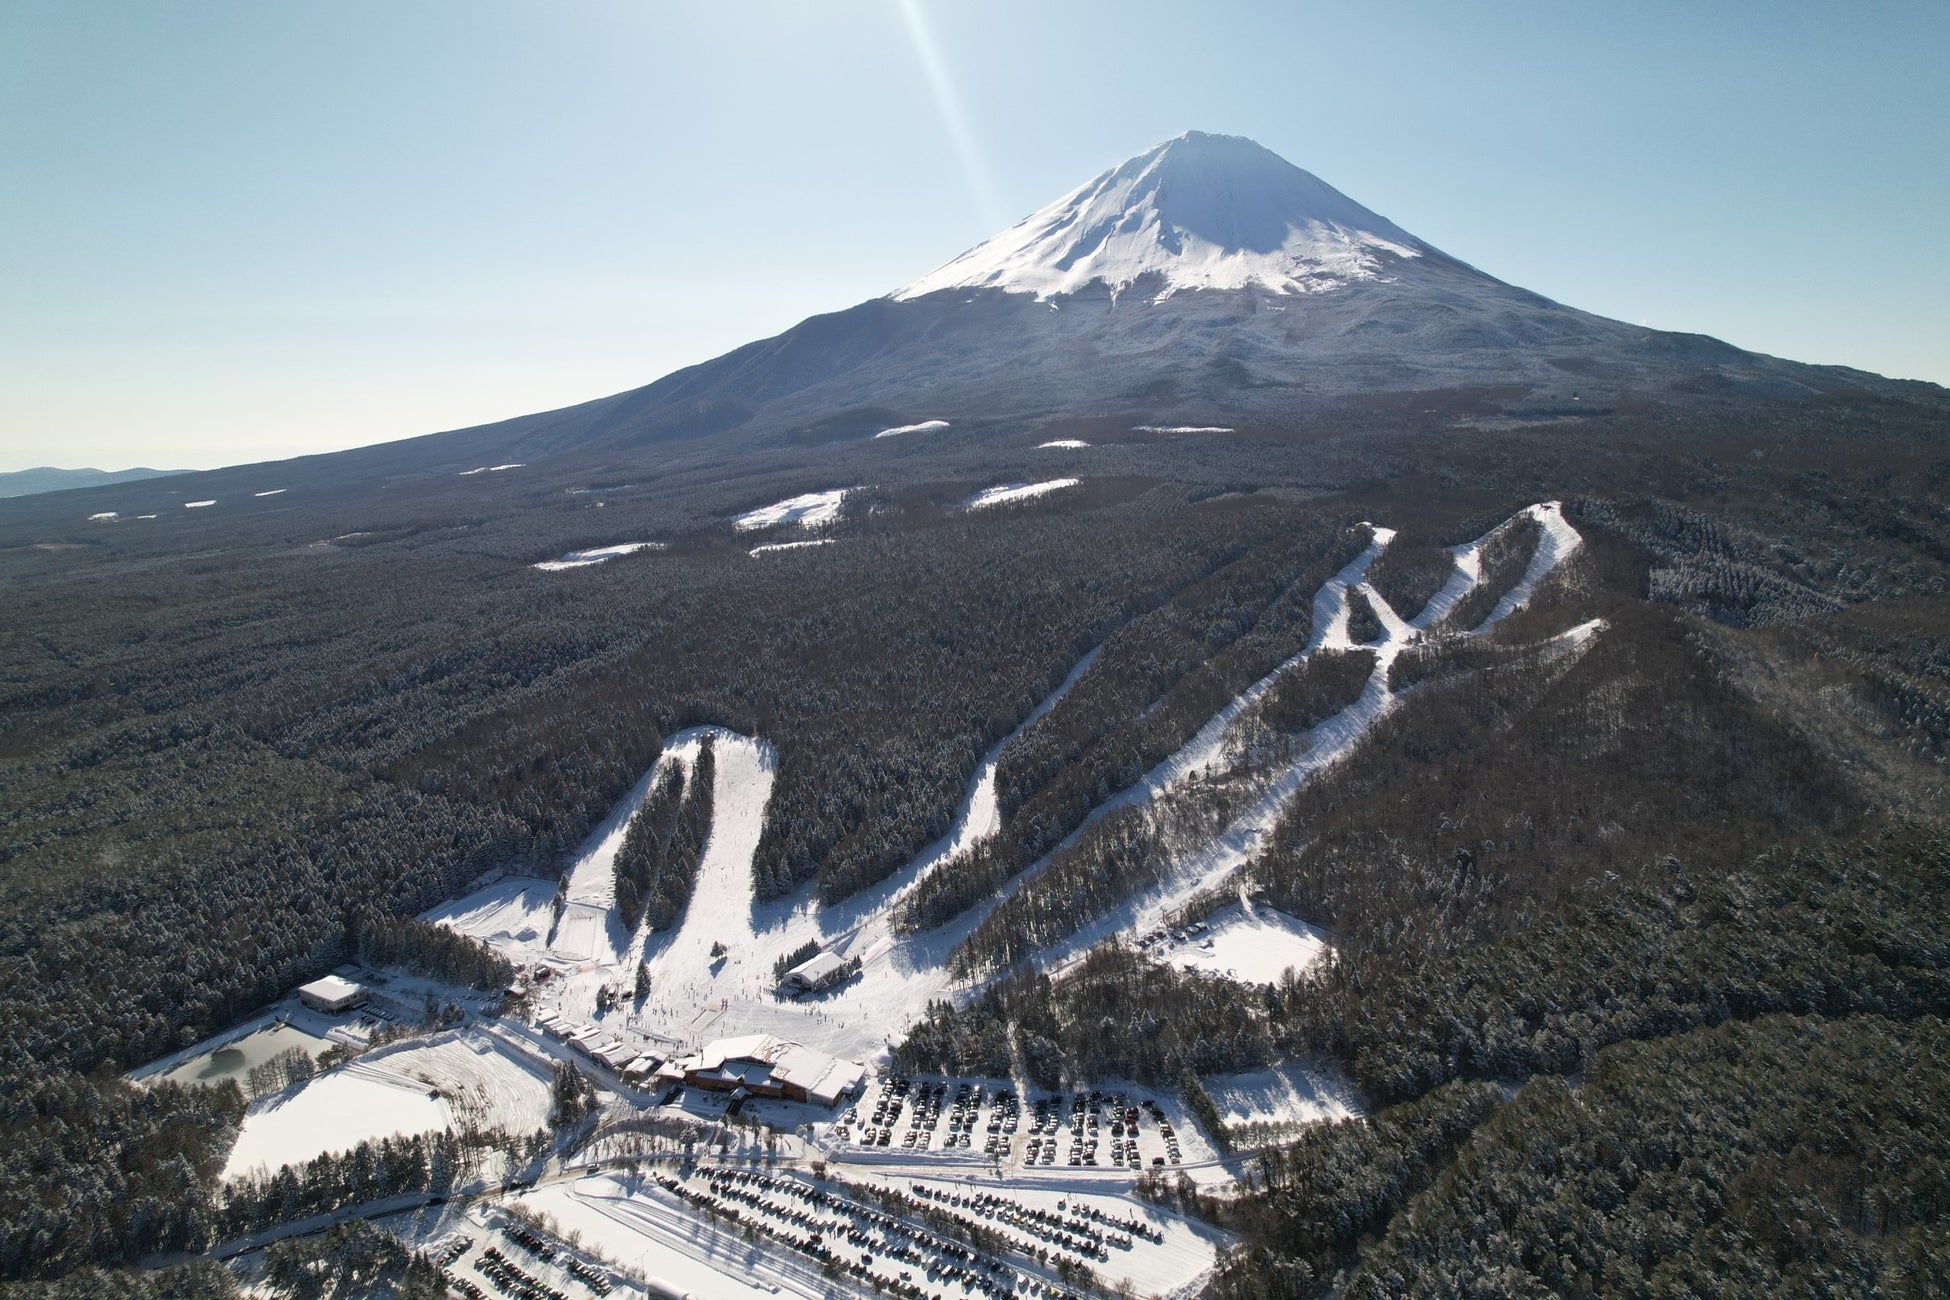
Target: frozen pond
{"x":234,"y":1060}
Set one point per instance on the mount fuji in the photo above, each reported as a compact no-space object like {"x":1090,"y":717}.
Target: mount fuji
{"x":1206,"y":281}
{"x":1198,"y":212}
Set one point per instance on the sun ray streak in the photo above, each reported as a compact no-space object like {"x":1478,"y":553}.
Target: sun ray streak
{"x":974,"y":168}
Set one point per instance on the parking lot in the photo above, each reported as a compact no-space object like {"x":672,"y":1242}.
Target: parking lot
{"x":1098,"y":1128}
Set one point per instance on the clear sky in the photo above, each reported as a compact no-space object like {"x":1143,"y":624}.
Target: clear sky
{"x":257,"y":228}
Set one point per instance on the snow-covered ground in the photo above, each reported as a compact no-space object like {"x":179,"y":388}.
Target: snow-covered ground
{"x":808,"y":511}
{"x":1003,"y":493}
{"x":1288,"y":1093}
{"x":770,"y":547}
{"x":596,"y":555}
{"x":925,"y":426}
{"x":467,"y":1077}
{"x":1255,"y":944}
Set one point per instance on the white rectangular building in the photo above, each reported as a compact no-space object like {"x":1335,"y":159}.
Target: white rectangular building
{"x":331,"y":995}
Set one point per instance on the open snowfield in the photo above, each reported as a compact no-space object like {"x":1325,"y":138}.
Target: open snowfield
{"x":1288,"y":1093}
{"x":469,"y":1077}
{"x":1256,"y":945}
{"x":808,"y":511}
{"x":1003,"y":493}
{"x":334,"y":1111}
{"x":925,"y":426}
{"x":596,"y":555}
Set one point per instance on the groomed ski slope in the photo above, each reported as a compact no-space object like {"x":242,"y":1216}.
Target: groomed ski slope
{"x":698,"y":996}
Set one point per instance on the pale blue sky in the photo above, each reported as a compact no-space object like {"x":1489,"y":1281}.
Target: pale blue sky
{"x":232,"y":231}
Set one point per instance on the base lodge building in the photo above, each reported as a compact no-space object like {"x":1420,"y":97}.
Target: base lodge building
{"x":764,"y":1066}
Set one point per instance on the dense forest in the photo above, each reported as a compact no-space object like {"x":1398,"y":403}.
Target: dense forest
{"x":656,"y":865}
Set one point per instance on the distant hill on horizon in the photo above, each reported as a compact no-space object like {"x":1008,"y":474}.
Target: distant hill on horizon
{"x":48,"y":478}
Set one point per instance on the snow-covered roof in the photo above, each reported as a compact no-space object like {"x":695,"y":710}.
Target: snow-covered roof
{"x":821,"y":966}
{"x":1201,"y":212}
{"x":330,"y":988}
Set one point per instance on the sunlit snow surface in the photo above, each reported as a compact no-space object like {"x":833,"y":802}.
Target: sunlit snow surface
{"x":596,"y":555}
{"x":1198,"y":212}
{"x":1004,"y":493}
{"x":1256,"y":945}
{"x":1286,"y":1093}
{"x":468,"y":1078}
{"x":925,"y":426}
{"x":808,"y":511}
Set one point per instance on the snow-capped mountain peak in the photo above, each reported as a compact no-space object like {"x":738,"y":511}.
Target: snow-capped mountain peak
{"x":1204,"y":212}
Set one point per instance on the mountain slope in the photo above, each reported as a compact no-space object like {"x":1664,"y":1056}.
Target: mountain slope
{"x":48,"y":478}
{"x":1206,"y":281}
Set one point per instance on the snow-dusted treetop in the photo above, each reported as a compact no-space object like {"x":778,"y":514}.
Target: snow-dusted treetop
{"x":1204,"y":211}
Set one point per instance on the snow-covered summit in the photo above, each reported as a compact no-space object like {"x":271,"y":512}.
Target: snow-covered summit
{"x":1204,"y":212}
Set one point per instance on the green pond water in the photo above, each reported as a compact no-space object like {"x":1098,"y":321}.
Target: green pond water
{"x":234,"y":1060}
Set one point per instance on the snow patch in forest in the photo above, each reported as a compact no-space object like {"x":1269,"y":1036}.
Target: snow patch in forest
{"x":595,"y":555}
{"x":808,"y":511}
{"x":925,"y":426}
{"x":1004,"y":493}
{"x":1288,"y":1093}
{"x":1254,"y":944}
